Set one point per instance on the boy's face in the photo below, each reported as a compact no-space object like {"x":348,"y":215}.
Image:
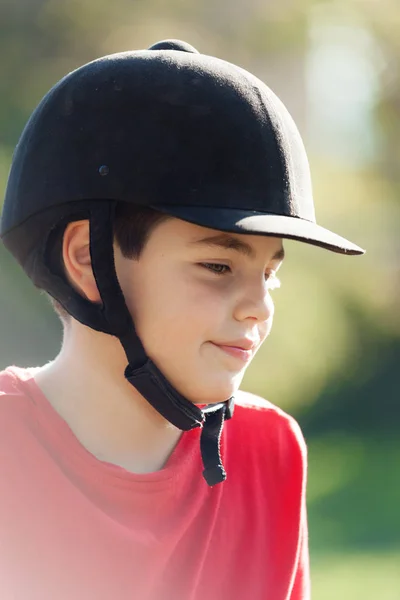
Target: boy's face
{"x":196,"y":302}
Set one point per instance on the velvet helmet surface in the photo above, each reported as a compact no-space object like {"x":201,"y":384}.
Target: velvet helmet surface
{"x":169,"y":128}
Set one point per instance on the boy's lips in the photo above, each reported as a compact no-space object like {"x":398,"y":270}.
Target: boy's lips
{"x":243,"y":348}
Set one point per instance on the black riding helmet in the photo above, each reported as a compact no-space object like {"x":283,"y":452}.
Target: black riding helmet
{"x":187,"y":134}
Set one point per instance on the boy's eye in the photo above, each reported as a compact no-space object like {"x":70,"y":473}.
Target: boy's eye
{"x":219,"y":269}
{"x":216,"y":268}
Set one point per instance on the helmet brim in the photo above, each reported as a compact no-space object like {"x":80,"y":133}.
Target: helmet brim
{"x":260,"y":223}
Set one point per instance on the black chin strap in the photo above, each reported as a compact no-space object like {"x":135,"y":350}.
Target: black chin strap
{"x":141,"y":372}
{"x":151,"y":383}
{"x":210,"y":441}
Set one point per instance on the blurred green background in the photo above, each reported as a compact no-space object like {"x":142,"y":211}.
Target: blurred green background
{"x":333,"y":359}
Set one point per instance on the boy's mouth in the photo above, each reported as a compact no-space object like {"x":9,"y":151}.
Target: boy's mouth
{"x":242,"y":349}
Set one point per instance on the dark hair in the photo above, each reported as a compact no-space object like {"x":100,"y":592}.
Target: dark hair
{"x":133,"y":226}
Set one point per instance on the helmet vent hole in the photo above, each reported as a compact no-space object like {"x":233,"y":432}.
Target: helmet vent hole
{"x":104,"y":170}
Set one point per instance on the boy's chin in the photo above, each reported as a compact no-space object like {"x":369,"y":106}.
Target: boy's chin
{"x":214,"y":395}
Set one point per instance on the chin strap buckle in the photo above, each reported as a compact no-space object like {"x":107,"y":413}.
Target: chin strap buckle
{"x":210,"y":441}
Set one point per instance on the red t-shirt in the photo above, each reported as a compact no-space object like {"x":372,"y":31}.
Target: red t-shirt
{"x":74,"y":527}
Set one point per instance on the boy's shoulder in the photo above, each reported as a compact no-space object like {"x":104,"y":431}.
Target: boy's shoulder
{"x":256,"y":407}
{"x":252,"y":401}
{"x":14,"y":388}
{"x":17,"y":407}
{"x":11,"y":378}
{"x":264,"y":421}
{"x":9,"y":382}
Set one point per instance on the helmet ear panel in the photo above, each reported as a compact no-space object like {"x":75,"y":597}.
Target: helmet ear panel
{"x":35,"y":245}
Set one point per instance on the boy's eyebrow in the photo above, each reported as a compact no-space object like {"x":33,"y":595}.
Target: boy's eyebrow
{"x":228,"y":242}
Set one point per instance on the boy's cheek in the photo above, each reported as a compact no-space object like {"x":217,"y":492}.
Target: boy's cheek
{"x":265,"y":329}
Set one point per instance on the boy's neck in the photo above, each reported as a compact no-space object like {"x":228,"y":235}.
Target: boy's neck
{"x":85,"y":384}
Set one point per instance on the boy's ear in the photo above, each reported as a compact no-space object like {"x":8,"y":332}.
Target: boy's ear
{"x":77,"y":260}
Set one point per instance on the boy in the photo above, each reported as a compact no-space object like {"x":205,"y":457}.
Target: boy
{"x":149,"y":196}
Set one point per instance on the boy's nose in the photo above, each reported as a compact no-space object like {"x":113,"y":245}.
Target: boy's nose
{"x":255,"y":303}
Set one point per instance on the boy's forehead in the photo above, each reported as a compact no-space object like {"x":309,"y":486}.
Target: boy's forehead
{"x":242,"y":243}
{"x":197,"y":236}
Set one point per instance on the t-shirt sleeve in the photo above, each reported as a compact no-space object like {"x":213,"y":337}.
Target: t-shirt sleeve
{"x":301,"y":586}
{"x":281,"y":480}
{"x":301,"y":589}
